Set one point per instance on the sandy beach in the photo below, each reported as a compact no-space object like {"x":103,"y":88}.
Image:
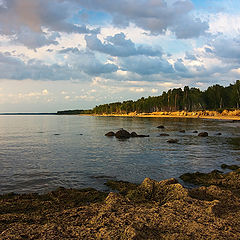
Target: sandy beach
{"x":225,"y":115}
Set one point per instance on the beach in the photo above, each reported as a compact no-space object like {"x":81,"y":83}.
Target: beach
{"x":225,"y":115}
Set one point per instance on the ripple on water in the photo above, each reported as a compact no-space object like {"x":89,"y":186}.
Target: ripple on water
{"x":33,"y":160}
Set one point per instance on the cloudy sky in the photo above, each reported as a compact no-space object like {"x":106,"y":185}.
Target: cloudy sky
{"x":75,"y":54}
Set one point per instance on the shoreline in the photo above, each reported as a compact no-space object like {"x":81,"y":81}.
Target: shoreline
{"x":150,"y":210}
{"x":231,"y":115}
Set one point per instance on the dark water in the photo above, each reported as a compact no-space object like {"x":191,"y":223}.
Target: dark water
{"x":41,"y":153}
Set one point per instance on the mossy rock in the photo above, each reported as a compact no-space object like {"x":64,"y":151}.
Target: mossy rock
{"x":231,"y":167}
{"x":122,"y":187}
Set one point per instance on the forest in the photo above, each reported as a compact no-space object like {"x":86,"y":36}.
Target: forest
{"x":216,"y":97}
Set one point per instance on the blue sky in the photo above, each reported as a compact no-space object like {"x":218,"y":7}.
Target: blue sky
{"x":75,"y":54}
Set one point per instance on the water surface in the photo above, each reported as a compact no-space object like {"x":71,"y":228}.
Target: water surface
{"x":41,"y":153}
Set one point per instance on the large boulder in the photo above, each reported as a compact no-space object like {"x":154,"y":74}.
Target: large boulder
{"x":122,"y":134}
{"x":203,"y":134}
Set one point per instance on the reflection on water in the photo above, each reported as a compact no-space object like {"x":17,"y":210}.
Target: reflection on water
{"x":40,"y":153}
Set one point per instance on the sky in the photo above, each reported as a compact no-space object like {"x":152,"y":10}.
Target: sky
{"x":76,"y":54}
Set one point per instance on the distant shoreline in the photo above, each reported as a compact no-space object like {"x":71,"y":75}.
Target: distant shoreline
{"x":225,"y":115}
{"x":6,"y":114}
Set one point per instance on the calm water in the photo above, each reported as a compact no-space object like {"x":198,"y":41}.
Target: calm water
{"x":41,"y":153}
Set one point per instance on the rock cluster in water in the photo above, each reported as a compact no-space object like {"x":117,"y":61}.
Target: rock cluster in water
{"x":123,"y":134}
{"x":151,"y":210}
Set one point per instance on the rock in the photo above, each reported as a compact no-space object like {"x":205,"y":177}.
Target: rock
{"x":122,"y":134}
{"x":110,"y":134}
{"x":164,"y":135}
{"x":122,"y":187}
{"x":231,"y":167}
{"x":182,"y":131}
{"x":134,"y":134}
{"x":203,"y":134}
{"x":219,"y":134}
{"x":195,"y":131}
{"x":172,"y":141}
{"x":161,"y":127}
{"x":142,"y":135}
{"x":229,"y":181}
{"x":152,"y":210}
{"x":162,"y":192}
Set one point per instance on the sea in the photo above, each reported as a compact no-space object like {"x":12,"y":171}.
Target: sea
{"x":39,"y":153}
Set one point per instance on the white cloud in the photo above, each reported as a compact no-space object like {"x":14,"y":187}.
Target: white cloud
{"x":138,"y":90}
{"x":45,"y":92}
{"x":154,"y":90}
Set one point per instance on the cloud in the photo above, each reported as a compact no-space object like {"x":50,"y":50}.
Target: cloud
{"x":35,"y":40}
{"x":25,"y":19}
{"x":146,"y":65}
{"x":87,"y":62}
{"x":179,"y":66}
{"x":81,"y":66}
{"x":154,"y":16}
{"x":227,"y":49}
{"x":189,"y":56}
{"x":119,"y":46}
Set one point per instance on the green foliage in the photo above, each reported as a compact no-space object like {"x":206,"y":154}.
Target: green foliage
{"x":215,"y":97}
{"x":74,"y":112}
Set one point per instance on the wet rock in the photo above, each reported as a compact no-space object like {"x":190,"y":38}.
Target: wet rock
{"x":141,"y":135}
{"x":122,"y":134}
{"x":219,"y":134}
{"x":227,"y":181}
{"x":172,"y":141}
{"x":182,"y":131}
{"x":231,"y":167}
{"x":161,"y":127}
{"x":203,"y":134}
{"x":163,"y":191}
{"x":195,"y":131}
{"x":110,"y":134}
{"x":134,"y":134}
{"x":122,"y":187}
{"x":56,"y":134}
{"x":151,"y":210}
{"x":164,"y":135}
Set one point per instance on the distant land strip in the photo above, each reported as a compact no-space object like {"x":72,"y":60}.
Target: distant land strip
{"x":217,"y":102}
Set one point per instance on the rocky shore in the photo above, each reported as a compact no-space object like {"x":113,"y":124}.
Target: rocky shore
{"x":151,"y":210}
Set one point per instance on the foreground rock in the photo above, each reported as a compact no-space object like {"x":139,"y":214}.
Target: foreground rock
{"x":229,"y":180}
{"x":151,"y":210}
{"x":231,"y":167}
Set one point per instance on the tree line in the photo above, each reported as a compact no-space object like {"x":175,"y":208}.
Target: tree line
{"x":215,"y":98}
